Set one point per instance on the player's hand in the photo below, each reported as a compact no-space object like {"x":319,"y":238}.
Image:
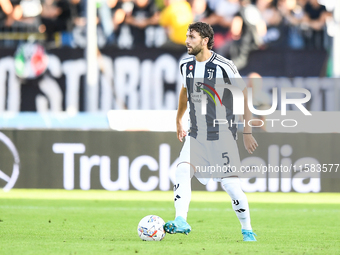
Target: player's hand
{"x":181,"y":133}
{"x":249,"y":143}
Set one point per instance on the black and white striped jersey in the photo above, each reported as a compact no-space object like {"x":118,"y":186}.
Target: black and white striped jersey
{"x":208,"y":98}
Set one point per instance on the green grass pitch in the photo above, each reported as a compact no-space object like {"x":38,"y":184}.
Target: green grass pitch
{"x":102,"y":222}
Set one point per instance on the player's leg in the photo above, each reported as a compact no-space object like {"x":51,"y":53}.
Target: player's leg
{"x":240,"y":205}
{"x":229,"y":157}
{"x":182,"y":192}
{"x":182,"y":197}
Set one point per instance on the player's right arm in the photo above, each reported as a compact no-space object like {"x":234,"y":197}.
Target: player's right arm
{"x":182,"y":107}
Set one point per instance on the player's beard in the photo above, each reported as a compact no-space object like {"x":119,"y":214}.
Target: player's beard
{"x":196,"y":50}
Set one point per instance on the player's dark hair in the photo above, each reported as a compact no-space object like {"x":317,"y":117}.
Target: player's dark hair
{"x":205,"y":30}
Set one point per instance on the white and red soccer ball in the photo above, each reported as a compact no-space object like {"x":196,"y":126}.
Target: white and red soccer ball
{"x":151,"y":228}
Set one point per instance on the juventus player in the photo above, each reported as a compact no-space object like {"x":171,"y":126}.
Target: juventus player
{"x":210,"y":144}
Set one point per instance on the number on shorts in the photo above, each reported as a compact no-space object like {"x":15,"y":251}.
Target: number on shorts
{"x":224,"y":155}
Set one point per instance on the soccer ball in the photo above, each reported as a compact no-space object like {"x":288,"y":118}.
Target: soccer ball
{"x":150,"y":228}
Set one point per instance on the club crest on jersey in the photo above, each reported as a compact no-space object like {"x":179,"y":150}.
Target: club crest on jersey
{"x":211,"y":73}
{"x":191,"y":67}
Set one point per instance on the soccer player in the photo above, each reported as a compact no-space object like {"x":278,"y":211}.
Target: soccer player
{"x":209,"y":143}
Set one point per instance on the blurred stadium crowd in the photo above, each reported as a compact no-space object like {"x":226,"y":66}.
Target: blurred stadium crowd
{"x":240,"y":25}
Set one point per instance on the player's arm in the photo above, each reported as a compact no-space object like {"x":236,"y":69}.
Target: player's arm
{"x":249,"y":141}
{"x":182,"y":106}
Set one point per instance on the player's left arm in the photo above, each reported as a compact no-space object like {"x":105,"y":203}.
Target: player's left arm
{"x":249,"y":141}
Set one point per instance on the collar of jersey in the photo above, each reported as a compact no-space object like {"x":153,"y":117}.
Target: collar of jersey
{"x":204,"y":62}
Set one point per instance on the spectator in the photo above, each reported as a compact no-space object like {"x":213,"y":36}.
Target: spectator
{"x":293,"y":15}
{"x":247,"y":30}
{"x":269,"y":12}
{"x":277,"y":31}
{"x":315,"y":19}
{"x":292,"y":11}
{"x":226,"y":10}
{"x":118,"y":13}
{"x":105,"y":19}
{"x":199,"y":9}
{"x":78,"y":12}
{"x":19,"y":18}
{"x":124,"y":39}
{"x":104,"y":23}
{"x":221,"y":20}
{"x":144,"y":13}
{"x":6,"y":8}
{"x":56,"y":17}
{"x":176,"y":17}
{"x":118,"y":16}
{"x":15,"y":15}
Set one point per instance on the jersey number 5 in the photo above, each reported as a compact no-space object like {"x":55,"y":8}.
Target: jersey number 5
{"x":224,"y":155}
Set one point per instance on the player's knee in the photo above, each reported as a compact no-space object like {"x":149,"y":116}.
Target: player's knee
{"x":233,"y":187}
{"x":184,"y":169}
{"x":231,"y":181}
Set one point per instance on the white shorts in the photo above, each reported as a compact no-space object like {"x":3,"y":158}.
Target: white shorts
{"x":212,"y":159}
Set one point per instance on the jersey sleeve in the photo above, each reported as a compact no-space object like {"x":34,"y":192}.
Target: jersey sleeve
{"x":238,"y":81}
{"x":182,"y":69}
{"x":230,"y":74}
{"x":234,"y":75}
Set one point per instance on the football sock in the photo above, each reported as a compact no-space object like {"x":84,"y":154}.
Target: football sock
{"x":239,"y":200}
{"x":182,"y":190}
